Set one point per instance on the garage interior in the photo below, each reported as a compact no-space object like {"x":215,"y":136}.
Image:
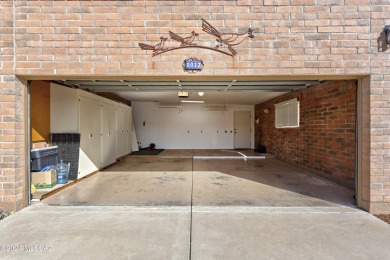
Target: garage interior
{"x":208,"y":148}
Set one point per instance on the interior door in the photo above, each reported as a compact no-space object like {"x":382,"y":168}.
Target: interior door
{"x":242,"y":129}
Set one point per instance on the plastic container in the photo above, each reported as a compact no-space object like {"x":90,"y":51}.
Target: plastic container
{"x":40,"y":163}
{"x":62,"y":172}
{"x":42,"y":157}
{"x":44,"y":152}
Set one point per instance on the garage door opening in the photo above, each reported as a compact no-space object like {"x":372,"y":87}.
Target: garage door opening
{"x":206,"y":118}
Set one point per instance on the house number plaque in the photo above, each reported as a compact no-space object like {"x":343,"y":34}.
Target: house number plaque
{"x":192,"y":65}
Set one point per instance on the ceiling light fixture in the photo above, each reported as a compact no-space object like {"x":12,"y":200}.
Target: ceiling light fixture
{"x":200,"y":93}
{"x":183,"y":94}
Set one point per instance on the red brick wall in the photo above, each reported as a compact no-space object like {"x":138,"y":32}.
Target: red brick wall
{"x":297,"y":37}
{"x":325,"y":140}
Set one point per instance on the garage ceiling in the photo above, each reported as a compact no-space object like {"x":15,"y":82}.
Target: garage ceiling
{"x":239,"y":92}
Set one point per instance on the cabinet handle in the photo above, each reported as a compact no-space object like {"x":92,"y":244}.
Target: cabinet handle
{"x":90,"y":135}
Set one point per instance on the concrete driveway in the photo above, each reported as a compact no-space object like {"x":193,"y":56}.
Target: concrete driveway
{"x":173,"y":206}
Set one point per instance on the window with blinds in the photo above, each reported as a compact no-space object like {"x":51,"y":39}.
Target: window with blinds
{"x":287,"y":114}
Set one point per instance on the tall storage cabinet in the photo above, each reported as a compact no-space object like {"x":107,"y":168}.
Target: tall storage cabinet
{"x":108,"y":138}
{"x":124,"y":128}
{"x":90,"y":131}
{"x":129,"y":126}
{"x":103,"y":125}
{"x":119,"y":132}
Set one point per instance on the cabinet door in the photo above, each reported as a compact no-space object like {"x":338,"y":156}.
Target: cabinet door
{"x":90,"y":129}
{"x":85,"y":124}
{"x":96,"y":129}
{"x":129,"y":128}
{"x":108,"y":151}
{"x":119,"y":132}
{"x":125,"y":131}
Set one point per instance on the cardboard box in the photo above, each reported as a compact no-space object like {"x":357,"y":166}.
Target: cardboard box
{"x":44,"y":180}
{"x":39,"y":145}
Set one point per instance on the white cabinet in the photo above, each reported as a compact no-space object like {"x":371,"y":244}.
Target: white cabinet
{"x":89,"y":160}
{"x":90,"y":129}
{"x":119,"y":132}
{"x":108,"y":137}
{"x":103,"y":125}
{"x":129,"y":126}
{"x":123,"y":131}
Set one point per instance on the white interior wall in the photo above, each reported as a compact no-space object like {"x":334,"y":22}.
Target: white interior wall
{"x":189,"y":127}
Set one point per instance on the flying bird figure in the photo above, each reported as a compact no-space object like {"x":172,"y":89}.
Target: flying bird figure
{"x":228,"y":39}
{"x":185,"y":41}
{"x":156,"y":48}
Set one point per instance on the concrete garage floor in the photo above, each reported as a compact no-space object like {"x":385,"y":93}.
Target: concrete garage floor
{"x":172,"y":206}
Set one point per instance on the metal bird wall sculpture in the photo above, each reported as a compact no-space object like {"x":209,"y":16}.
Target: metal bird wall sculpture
{"x":184,"y":41}
{"x":228,"y":39}
{"x":156,"y":48}
{"x":223,"y":40}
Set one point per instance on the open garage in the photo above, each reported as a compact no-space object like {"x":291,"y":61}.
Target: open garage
{"x":195,"y":197}
{"x":307,"y":123}
{"x":146,"y":53}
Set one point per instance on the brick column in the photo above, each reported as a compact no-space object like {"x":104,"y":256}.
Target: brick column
{"x":379,"y":123}
{"x":11,"y":115}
